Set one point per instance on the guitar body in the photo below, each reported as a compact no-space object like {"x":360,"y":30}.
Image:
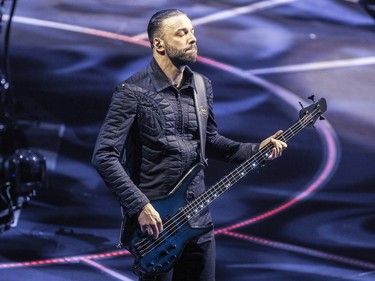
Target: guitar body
{"x":159,"y":255}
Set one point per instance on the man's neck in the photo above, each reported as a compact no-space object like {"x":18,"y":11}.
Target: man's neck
{"x":174,"y":73}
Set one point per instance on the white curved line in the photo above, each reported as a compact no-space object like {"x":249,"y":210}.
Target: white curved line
{"x":230,"y":13}
{"x":314,"y":66}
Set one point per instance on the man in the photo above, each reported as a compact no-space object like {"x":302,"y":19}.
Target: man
{"x":152,"y":135}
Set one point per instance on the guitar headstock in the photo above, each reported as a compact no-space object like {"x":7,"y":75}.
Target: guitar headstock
{"x":314,"y":111}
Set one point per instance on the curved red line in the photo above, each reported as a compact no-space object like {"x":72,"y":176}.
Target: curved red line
{"x":64,"y":259}
{"x":320,"y":180}
{"x":304,"y":250}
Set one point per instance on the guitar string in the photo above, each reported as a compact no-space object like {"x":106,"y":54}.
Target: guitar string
{"x":181,"y":218}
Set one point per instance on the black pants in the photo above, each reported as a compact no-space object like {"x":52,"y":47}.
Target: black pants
{"x":197,"y":263}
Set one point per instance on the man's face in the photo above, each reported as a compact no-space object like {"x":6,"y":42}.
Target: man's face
{"x":179,"y":40}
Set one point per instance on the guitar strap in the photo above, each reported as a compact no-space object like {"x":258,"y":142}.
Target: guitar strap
{"x":200,"y":98}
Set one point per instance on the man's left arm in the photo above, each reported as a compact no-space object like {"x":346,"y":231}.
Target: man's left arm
{"x":222,"y":148}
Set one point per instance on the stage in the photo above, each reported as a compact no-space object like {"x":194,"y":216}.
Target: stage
{"x":309,"y":215}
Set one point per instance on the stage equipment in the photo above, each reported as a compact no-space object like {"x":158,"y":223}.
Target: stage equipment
{"x":22,"y":170}
{"x":24,"y":173}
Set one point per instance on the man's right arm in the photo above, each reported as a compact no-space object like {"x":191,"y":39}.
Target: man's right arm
{"x":109,"y":145}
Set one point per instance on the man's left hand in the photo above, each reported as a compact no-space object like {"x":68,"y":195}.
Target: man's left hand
{"x":278,"y":145}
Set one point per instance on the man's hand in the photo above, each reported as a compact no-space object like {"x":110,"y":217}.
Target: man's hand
{"x":278,"y":146}
{"x":149,"y":221}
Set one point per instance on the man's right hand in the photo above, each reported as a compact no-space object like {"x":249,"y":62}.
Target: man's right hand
{"x":150,"y":221}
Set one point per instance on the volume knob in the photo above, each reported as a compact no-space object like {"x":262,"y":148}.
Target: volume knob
{"x":164,"y":253}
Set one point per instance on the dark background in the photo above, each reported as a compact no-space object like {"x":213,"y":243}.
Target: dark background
{"x":306,"y":216}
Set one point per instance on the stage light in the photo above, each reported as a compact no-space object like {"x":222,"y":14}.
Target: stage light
{"x":24,"y":172}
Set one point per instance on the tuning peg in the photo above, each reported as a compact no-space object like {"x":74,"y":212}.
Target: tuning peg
{"x":300,"y":103}
{"x":312,"y":98}
{"x":321,"y":117}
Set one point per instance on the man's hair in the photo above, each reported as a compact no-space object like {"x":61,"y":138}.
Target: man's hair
{"x":155,"y":23}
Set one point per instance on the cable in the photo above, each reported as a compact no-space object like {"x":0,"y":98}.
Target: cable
{"x":5,"y":98}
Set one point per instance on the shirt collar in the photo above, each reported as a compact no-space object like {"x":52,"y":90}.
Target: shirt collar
{"x":161,"y":81}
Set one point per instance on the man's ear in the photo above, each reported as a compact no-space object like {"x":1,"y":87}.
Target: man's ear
{"x":158,"y":44}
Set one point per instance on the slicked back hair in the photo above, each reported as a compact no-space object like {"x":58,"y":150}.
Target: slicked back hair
{"x":155,"y":24}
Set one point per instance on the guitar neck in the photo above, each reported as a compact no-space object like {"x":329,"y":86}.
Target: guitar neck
{"x":206,"y":198}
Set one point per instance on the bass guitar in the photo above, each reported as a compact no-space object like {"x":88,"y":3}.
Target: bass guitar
{"x":154,"y":256}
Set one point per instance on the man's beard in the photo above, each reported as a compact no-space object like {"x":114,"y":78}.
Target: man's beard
{"x":181,"y":57}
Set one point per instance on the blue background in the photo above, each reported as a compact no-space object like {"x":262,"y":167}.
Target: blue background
{"x":306,"y":216}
